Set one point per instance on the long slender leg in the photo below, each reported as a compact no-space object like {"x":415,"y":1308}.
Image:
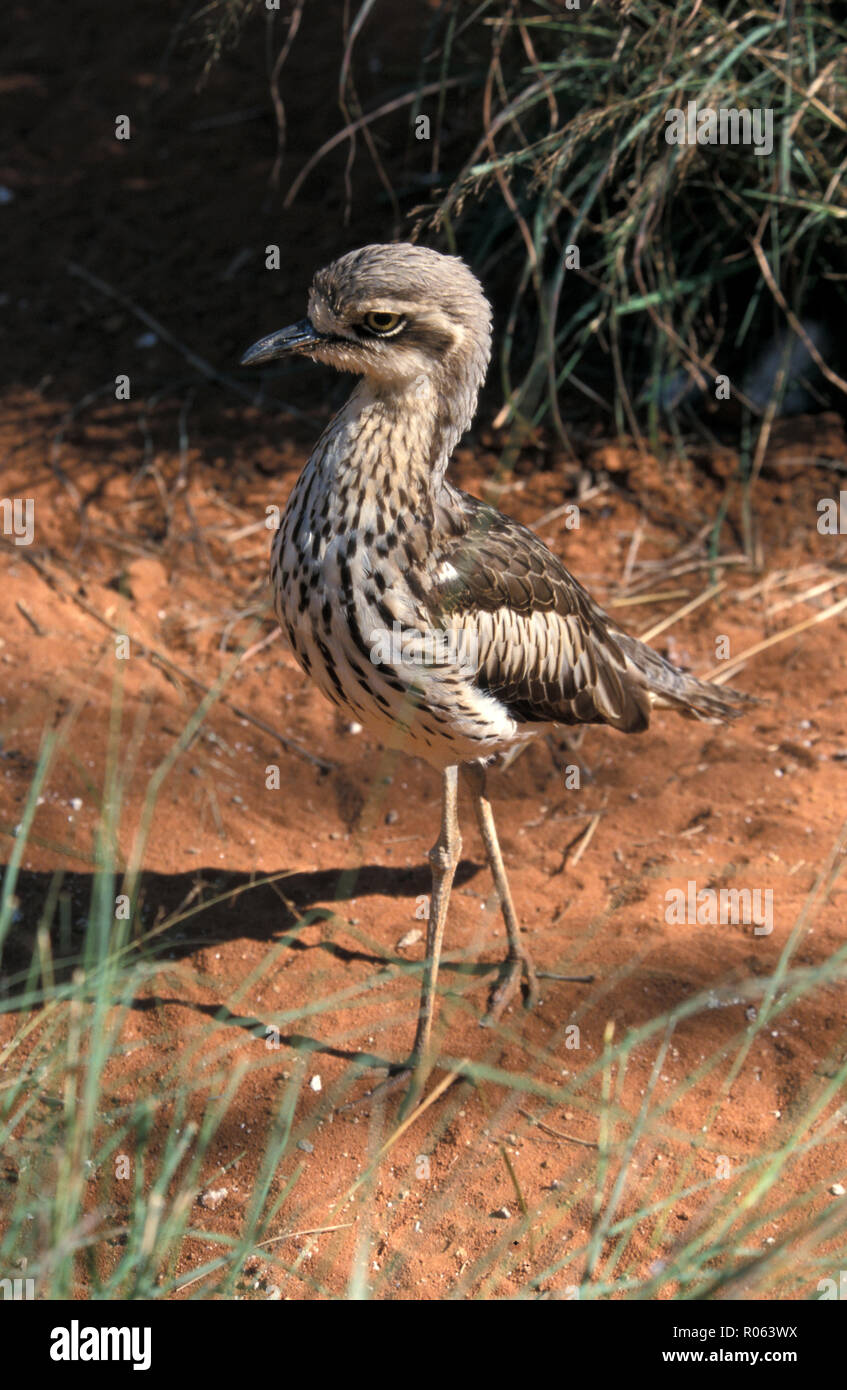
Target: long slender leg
{"x":518,"y":963}
{"x":443,"y":857}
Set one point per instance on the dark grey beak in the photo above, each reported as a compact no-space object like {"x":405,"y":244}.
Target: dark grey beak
{"x":298,"y":337}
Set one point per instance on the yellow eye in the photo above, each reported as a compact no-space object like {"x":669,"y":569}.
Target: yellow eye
{"x":379,"y":322}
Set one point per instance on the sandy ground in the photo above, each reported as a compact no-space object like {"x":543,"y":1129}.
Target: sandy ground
{"x":758,"y":804}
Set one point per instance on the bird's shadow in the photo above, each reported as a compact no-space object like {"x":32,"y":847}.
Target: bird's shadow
{"x":258,"y":1028}
{"x":179,"y":914}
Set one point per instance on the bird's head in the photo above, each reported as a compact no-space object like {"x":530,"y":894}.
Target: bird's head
{"x":400,"y":315}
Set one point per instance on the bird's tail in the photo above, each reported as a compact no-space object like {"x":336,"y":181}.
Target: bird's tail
{"x":703,"y":700}
{"x":670,"y":688}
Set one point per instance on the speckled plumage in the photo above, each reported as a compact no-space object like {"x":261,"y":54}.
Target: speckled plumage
{"x":375,"y":540}
{"x":374,"y":535}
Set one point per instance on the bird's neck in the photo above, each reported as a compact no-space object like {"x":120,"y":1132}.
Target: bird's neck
{"x":395,"y":437}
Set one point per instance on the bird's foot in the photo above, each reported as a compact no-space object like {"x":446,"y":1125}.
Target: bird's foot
{"x":405,"y":1077}
{"x":517,"y":967}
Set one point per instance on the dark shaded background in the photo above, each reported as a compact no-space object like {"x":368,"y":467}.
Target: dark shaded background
{"x":176,"y":219}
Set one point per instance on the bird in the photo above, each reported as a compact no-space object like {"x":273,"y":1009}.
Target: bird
{"x":428,"y":616}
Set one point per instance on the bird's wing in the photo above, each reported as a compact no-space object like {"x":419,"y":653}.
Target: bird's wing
{"x":542,"y":645}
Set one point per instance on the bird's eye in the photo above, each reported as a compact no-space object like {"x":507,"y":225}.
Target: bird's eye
{"x":379,"y":322}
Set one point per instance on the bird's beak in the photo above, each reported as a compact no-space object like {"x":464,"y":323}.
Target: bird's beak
{"x":298,"y":337}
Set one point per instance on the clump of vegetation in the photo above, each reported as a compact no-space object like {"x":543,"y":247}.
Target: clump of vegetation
{"x":620,"y":254}
{"x":664,"y":261}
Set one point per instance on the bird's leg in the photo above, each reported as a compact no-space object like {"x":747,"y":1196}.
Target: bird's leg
{"x":444,"y":856}
{"x":518,"y":963}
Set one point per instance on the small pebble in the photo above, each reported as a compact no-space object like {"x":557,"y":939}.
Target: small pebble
{"x":409,"y":939}
{"x":213,"y":1197}
{"x":838,"y":1189}
{"x":316,"y":1083}
{"x":305,"y":1146}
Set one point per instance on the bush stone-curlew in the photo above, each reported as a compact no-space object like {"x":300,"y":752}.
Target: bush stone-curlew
{"x":420,"y":610}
